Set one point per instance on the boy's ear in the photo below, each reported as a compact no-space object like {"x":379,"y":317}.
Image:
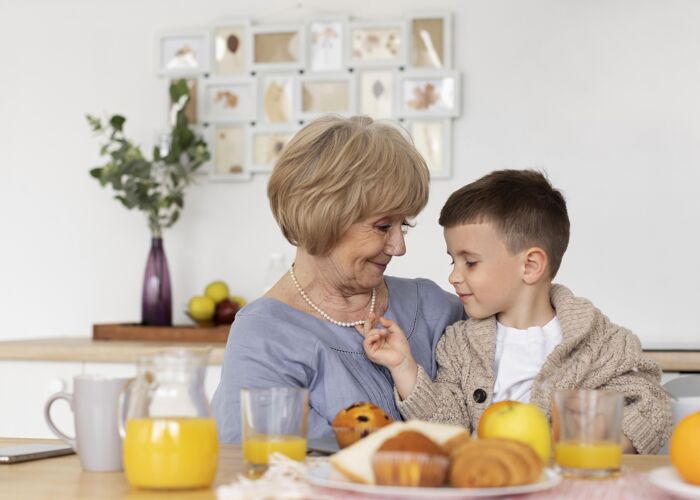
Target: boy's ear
{"x":536,"y":265}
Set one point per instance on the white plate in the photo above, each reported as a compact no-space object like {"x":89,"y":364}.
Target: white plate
{"x":323,"y":475}
{"x":668,"y":479}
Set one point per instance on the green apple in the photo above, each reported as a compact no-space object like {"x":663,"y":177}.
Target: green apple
{"x":217,"y":291}
{"x":201,"y":308}
{"x":523,"y":422}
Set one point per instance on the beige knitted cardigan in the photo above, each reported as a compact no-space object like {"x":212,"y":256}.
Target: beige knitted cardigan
{"x":593,"y":354}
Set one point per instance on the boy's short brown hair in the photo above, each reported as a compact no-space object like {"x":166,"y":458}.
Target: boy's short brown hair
{"x":523,"y":206}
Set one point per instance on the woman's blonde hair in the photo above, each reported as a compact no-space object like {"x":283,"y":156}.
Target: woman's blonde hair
{"x":337,"y":171}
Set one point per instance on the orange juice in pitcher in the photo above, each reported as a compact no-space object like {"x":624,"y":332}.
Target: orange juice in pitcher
{"x":171,"y":452}
{"x":170,"y":438}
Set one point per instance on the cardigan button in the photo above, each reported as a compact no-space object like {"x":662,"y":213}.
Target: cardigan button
{"x":479,"y":395}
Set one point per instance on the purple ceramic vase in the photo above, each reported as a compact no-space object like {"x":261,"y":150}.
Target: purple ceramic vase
{"x":156,"y":301}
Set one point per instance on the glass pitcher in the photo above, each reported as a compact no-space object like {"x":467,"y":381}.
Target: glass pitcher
{"x":170,"y":438}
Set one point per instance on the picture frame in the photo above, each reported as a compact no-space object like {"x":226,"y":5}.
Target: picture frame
{"x":277,"y":98}
{"x":228,"y":161}
{"x":191,"y":109}
{"x":183,"y":53}
{"x":376,"y":92}
{"x":227,"y":99}
{"x":430,"y":40}
{"x":265,"y":144}
{"x":231,"y":51}
{"x":432,"y":137}
{"x":376,"y":43}
{"x":327,"y":93}
{"x":278,"y":47}
{"x":326,"y":37}
{"x":252,"y":86}
{"x":428,"y":93}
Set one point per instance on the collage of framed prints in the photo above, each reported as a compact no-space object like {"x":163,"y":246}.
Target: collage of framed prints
{"x":252,"y":86}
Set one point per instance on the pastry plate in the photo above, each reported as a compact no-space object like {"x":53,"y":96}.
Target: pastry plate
{"x":668,"y":479}
{"x":323,"y":475}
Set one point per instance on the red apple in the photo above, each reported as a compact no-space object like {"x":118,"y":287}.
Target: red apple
{"x":225,"y":312}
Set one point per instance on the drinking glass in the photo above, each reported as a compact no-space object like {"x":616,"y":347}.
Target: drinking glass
{"x":586,"y":427}
{"x":273,"y":420}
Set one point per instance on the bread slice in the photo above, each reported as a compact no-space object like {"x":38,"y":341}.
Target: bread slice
{"x":355,"y":462}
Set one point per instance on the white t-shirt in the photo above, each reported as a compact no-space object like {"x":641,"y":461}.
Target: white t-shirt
{"x":520,"y":355}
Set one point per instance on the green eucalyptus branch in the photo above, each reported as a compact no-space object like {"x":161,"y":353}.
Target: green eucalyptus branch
{"x":154,"y":186}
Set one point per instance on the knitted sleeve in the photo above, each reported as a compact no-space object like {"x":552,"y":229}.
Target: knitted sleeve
{"x":441,"y":400}
{"x":646,"y":419}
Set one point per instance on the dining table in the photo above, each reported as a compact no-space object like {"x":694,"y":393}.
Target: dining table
{"x":63,"y":478}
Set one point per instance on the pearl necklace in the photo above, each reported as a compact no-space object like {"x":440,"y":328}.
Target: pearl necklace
{"x":323,"y":313}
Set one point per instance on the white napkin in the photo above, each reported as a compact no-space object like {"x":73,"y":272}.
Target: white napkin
{"x":285,"y":479}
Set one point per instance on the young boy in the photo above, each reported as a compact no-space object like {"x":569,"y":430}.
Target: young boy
{"x":525,"y":337}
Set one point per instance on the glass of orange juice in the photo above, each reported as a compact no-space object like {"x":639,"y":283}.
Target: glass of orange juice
{"x":273,"y":419}
{"x":586,"y":427}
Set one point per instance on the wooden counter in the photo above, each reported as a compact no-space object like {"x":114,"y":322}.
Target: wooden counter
{"x":97,"y":351}
{"x":676,"y":361}
{"x":62,"y":477}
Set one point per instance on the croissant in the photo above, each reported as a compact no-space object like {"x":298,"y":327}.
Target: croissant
{"x":486,"y":463}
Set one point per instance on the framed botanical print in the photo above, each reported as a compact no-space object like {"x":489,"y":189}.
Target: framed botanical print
{"x":265,"y":144}
{"x":183,"y":53}
{"x":278,"y":47}
{"x":376,"y":92}
{"x":430,"y":40}
{"x":429,"y":93}
{"x":228,"y":146}
{"x":277,"y":93}
{"x":322,"y":94}
{"x":252,"y":86}
{"x":377,"y":43}
{"x":231,"y":48}
{"x":326,"y":41}
{"x":227,"y":99}
{"x":432,"y":137}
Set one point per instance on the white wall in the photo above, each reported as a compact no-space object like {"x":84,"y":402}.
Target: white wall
{"x":603,"y":94}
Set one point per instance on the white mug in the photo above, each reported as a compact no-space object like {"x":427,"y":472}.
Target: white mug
{"x":94,"y":403}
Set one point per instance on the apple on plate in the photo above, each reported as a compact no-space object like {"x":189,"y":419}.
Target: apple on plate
{"x":523,"y":422}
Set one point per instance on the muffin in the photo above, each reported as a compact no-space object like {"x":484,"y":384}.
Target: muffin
{"x":410,"y":459}
{"x":357,"y":421}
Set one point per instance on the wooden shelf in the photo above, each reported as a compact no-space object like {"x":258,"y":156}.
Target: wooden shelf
{"x":125,"y":331}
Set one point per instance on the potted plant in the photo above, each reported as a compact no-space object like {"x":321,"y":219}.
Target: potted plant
{"x":154,"y":186}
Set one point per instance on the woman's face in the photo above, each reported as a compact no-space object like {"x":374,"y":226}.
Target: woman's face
{"x":361,"y":256}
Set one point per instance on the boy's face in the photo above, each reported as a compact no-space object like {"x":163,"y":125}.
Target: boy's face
{"x":485,"y":274}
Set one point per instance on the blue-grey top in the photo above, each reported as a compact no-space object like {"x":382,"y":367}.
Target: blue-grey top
{"x":274,"y":345}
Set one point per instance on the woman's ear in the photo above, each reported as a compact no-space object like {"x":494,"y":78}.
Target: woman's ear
{"x":536,"y":265}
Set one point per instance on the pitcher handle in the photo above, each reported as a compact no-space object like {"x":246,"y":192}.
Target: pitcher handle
{"x":121,"y":408}
{"x":47,"y":416}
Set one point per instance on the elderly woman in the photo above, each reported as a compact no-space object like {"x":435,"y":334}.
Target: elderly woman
{"x":342,"y":192}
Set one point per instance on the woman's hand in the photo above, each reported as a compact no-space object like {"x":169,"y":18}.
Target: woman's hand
{"x":389,"y":347}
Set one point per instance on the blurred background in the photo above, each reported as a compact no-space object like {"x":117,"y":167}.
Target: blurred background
{"x":601,"y":94}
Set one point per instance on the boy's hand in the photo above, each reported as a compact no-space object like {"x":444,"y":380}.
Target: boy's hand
{"x":386,"y":346}
{"x":389,"y":347}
